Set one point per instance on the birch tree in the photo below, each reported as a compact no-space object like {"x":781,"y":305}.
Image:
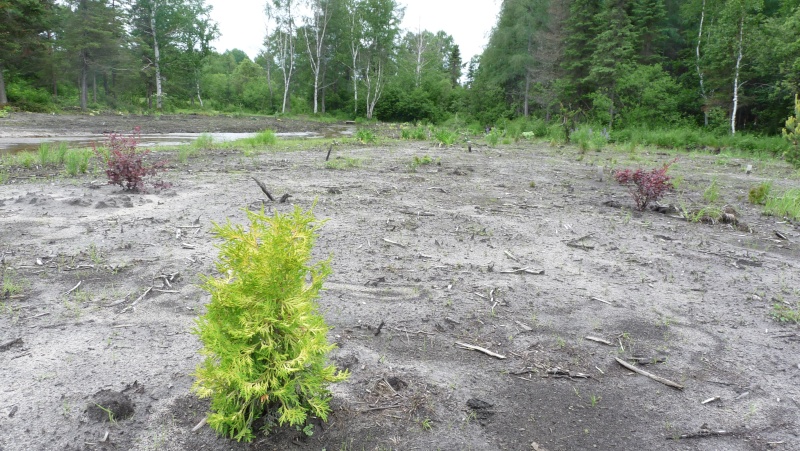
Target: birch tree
{"x":282,"y":12}
{"x":315,"y":29}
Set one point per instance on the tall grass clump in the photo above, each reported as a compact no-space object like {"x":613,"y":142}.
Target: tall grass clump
{"x":203,"y":142}
{"x":589,"y":138}
{"x":785,"y":205}
{"x":418,"y":133}
{"x":261,"y":139}
{"x":445,"y":137}
{"x":76,"y":161}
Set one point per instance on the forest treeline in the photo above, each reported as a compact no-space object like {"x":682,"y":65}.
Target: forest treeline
{"x":727,"y":65}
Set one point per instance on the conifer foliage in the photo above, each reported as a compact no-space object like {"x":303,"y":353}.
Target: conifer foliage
{"x":264,"y":340}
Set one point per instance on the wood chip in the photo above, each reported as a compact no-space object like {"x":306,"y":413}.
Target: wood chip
{"x":526,"y":270}
{"x":715,"y":398}
{"x":74,"y":288}
{"x":666,"y":382}
{"x":480,"y":349}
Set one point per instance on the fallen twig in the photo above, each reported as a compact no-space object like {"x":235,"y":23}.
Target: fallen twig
{"x":650,"y":375}
{"x":480,"y":349}
{"x":137,"y":300}
{"x":200,"y":424}
{"x":370,"y":409}
{"x":525,"y":270}
{"x":74,"y":288}
{"x":188,"y":246}
{"x":715,"y":398}
{"x":412,"y":332}
{"x":599,"y":300}
{"x":394,"y":243}
{"x":511,"y":256}
{"x":263,"y":188}
{"x":7,"y":345}
{"x":599,"y":340}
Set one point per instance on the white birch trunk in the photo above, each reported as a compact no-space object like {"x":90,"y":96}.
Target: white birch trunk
{"x":736,"y":76}
{"x":697,"y":63}
{"x":156,"y":56}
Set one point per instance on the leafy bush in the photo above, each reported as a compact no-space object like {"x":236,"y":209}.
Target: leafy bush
{"x":264,"y":339}
{"x":445,"y":137}
{"x":365,"y":136}
{"x":645,"y":186}
{"x":125,"y":163}
{"x":792,"y":134}
{"x":758,"y":194}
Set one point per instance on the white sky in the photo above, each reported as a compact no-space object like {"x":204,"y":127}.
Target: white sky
{"x":242,"y":23}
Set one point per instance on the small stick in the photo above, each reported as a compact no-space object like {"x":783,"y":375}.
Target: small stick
{"x":381,"y":408}
{"x":263,"y":188}
{"x":200,"y":424}
{"x":411,"y":332}
{"x":523,"y":326}
{"x":715,"y":398}
{"x":188,"y":246}
{"x":9,"y":344}
{"x":524,"y":270}
{"x":330,"y":149}
{"x":188,"y":227}
{"x":599,"y":300}
{"x":380,"y":326}
{"x":650,"y":375}
{"x":394,"y":242}
{"x":74,"y":288}
{"x":165,"y":291}
{"x":511,"y":256}
{"x":480,"y":349}
{"x":598,"y":369}
{"x":599,"y":340}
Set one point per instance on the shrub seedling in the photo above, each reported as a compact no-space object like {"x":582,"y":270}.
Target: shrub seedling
{"x":645,"y":186}
{"x":125,"y":162}
{"x":264,"y":340}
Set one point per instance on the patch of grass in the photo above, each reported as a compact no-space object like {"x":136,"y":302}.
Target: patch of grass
{"x":365,"y":136}
{"x":425,"y":160}
{"x":711,"y":194}
{"x":418,"y":133}
{"x":263,"y":138}
{"x":76,"y":161}
{"x":785,"y":313}
{"x":205,"y":141}
{"x":758,"y":194}
{"x":493,"y":138}
{"x":785,"y":205}
{"x":11,"y":284}
{"x":25,"y":160}
{"x":344,"y":163}
{"x":445,"y":137}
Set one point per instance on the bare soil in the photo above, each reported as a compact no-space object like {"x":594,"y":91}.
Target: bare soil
{"x":513,"y":249}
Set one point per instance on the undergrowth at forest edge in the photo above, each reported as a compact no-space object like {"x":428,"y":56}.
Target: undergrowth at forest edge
{"x":645,"y":187}
{"x":264,"y":340}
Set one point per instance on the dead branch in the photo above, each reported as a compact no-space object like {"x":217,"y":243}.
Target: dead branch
{"x":137,"y":300}
{"x":74,"y":288}
{"x":599,"y":300}
{"x":200,"y":424}
{"x":480,"y":349}
{"x":599,"y":340}
{"x":511,"y":256}
{"x":7,"y":345}
{"x":525,"y":270}
{"x":666,"y":382}
{"x":263,"y":188}
{"x":394,"y":243}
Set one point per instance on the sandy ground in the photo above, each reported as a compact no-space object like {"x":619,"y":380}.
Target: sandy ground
{"x":512,"y":249}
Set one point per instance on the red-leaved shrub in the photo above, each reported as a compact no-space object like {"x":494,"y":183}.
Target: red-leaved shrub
{"x":125,"y":162}
{"x":646,"y":186}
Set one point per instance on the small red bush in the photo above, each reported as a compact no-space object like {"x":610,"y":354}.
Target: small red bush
{"x":126,"y":164}
{"x":644,"y":186}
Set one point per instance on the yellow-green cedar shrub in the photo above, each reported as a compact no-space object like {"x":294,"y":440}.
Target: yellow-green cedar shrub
{"x":264,"y":340}
{"x":792,"y":134}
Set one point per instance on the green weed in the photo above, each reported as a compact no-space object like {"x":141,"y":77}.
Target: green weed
{"x":711,"y":194}
{"x":344,"y":163}
{"x":365,"y":136}
{"x":785,"y":205}
{"x":445,"y":137}
{"x":261,"y":139}
{"x":785,"y":313}
{"x":76,"y":161}
{"x":424,"y":160}
{"x":418,"y":133}
{"x":758,"y":194}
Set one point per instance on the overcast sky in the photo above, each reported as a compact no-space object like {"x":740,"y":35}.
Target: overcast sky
{"x":242,"y":22}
